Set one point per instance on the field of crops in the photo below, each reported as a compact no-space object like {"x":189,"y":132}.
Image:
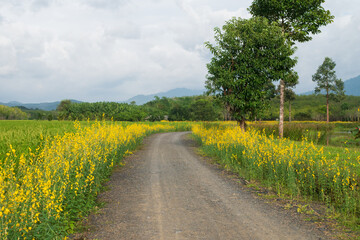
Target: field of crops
{"x":295,"y":168}
{"x":51,"y":172}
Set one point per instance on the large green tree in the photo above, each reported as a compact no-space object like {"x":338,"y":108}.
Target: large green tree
{"x":325,"y":79}
{"x":247,"y":57}
{"x":298,"y":19}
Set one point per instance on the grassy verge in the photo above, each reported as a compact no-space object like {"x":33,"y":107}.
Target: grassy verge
{"x":295,"y":169}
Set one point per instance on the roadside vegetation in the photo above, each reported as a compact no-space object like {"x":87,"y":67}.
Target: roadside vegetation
{"x":340,"y":134}
{"x":49,"y":185}
{"x":291,"y":168}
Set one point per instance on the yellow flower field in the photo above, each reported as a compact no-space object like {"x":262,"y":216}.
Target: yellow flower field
{"x":44,"y":191}
{"x":294,"y":168}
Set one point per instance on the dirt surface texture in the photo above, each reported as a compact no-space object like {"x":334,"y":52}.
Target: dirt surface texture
{"x":166,"y":191}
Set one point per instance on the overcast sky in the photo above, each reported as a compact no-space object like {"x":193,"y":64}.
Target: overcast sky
{"x":111,"y":50}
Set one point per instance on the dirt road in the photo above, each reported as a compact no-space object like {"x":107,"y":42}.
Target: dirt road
{"x":166,"y":191}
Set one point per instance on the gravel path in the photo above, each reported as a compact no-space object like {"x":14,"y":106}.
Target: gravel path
{"x":166,"y":191}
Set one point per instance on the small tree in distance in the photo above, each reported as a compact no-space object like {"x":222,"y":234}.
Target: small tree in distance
{"x":326,"y":80}
{"x":249,"y":54}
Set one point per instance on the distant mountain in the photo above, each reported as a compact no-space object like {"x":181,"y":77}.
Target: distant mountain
{"x":351,"y":86}
{"x":139,"y":99}
{"x":177,"y":92}
{"x":48,"y":106}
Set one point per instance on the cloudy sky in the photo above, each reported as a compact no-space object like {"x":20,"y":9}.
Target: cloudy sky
{"x":111,"y":50}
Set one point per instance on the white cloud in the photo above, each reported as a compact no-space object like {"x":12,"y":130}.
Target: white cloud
{"x":105,"y":4}
{"x":98,"y":50}
{"x":339,"y":41}
{"x":7,"y":56}
{"x":343,"y":21}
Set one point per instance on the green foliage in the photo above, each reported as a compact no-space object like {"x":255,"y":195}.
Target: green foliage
{"x":291,"y":79}
{"x":325,"y":79}
{"x":297,"y":18}
{"x":248,"y":55}
{"x":303,"y":116}
{"x":315,"y":132}
{"x":38,"y":114}
{"x":195,"y":108}
{"x":313,"y":107}
{"x":101,"y":110}
{"x":179,"y":112}
{"x":64,"y":105}
{"x":158,"y":109}
{"x":11,"y":113}
{"x":203,"y":110}
{"x":289,"y":95}
{"x":338,"y":134}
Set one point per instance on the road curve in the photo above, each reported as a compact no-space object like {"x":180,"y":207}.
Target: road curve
{"x":166,"y":191}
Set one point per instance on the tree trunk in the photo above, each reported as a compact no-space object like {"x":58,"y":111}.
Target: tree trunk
{"x":242,"y":124}
{"x":281,"y":117}
{"x":289,"y":111}
{"x":227,"y":112}
{"x":282,"y":94}
{"x":327,"y":106}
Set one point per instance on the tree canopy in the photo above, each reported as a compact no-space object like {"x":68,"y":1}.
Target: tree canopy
{"x":248,"y":55}
{"x":297,"y":18}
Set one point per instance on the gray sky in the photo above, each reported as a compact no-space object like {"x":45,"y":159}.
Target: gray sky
{"x":111,"y":50}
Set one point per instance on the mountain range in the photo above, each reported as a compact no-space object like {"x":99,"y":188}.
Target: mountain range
{"x":139,"y":99}
{"x":177,"y":92}
{"x":47,"y":106}
{"x":352,"y":87}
